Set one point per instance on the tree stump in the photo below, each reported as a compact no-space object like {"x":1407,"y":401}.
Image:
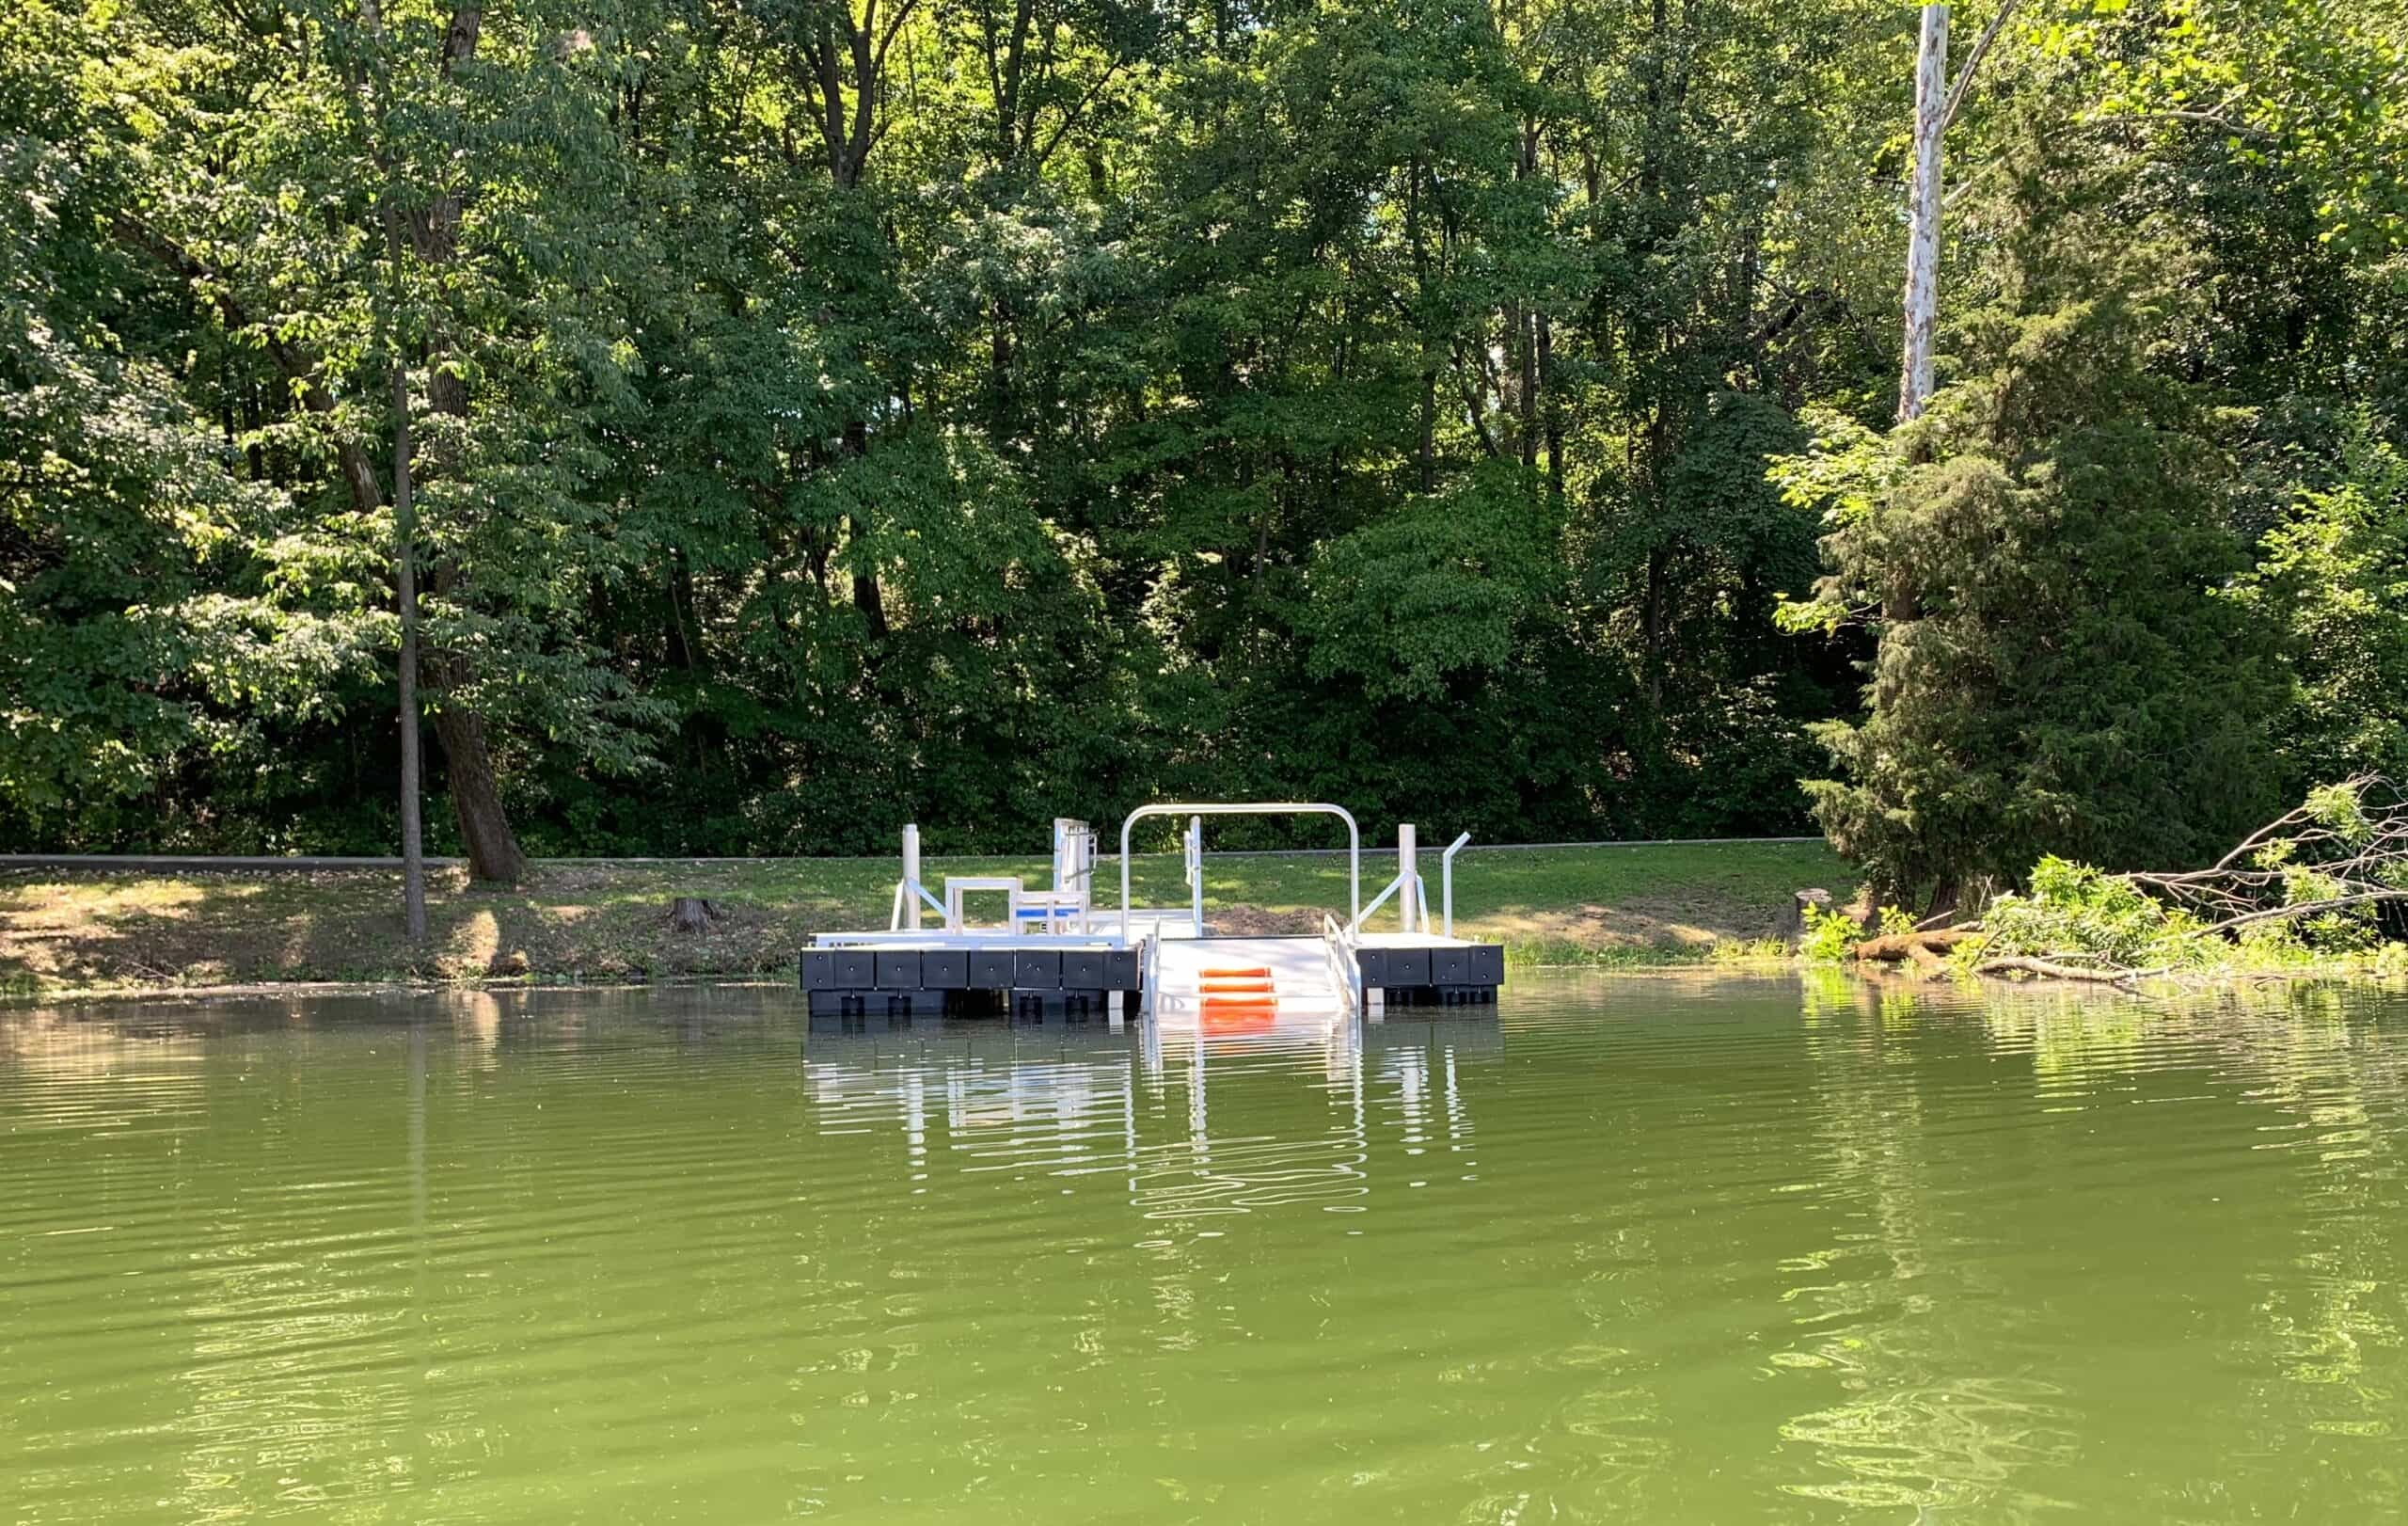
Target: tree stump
{"x":1793,"y":920}
{"x":692,"y":913}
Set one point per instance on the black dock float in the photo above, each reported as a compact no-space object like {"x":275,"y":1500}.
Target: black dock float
{"x":1438,"y":975}
{"x":875,"y":981}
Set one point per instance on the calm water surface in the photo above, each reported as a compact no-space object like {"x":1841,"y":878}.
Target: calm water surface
{"x":1671,"y":1250}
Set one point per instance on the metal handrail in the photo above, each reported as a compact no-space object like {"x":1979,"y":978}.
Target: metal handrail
{"x":935,"y":905}
{"x":1377,"y":901}
{"x":1150,"y":983}
{"x":1421,"y":889}
{"x":1339,"y":945}
{"x":1283,"y":808}
{"x":1446,"y":882}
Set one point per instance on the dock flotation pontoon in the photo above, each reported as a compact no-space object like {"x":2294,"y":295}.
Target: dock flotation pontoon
{"x":1056,"y":952}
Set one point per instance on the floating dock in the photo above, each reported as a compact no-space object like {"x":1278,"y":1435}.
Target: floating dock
{"x":1057,"y":953}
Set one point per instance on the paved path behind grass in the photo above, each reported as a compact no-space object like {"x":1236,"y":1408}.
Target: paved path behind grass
{"x":206,"y":863}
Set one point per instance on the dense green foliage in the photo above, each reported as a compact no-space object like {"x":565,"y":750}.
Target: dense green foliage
{"x":2336,"y":571}
{"x":2162,"y":342}
{"x":2053,"y":674}
{"x":971,"y":412}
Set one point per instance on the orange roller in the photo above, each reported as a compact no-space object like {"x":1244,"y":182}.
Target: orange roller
{"x":1261,"y":971}
{"x":1242,"y":988}
{"x":1238,"y":1019}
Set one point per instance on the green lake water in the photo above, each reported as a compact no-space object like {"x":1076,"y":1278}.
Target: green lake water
{"x":1695,"y":1250}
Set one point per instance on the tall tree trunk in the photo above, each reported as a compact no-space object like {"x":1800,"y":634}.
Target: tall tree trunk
{"x":468,"y":773}
{"x":1525,"y":320}
{"x":406,"y":588}
{"x":999,"y":377}
{"x":1527,"y":355}
{"x":1427,"y":450}
{"x":1655,"y":615}
{"x":867,"y":596}
{"x":1552,"y":408}
{"x":1937,"y":102}
{"x":493,"y":849}
{"x":1922,"y":208}
{"x":405,"y":596}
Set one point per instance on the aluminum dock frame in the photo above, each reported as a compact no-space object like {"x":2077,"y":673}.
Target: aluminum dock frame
{"x":1055,"y":953}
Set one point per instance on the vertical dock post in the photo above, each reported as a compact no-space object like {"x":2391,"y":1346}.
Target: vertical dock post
{"x":1195,"y":867}
{"x":911,"y":875}
{"x":1408,"y":904}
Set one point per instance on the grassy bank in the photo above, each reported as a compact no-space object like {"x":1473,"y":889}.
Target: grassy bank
{"x":1655,"y":904}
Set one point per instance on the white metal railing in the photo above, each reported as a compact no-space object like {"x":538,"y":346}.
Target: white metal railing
{"x":1353,"y":840}
{"x":1345,"y":967}
{"x":1150,"y":981}
{"x":1447,"y":885}
{"x":1195,"y":870}
{"x":1377,"y":901}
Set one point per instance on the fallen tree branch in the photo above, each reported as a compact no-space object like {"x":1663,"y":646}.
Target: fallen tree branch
{"x":2305,"y":908}
{"x":1933,"y":966}
{"x":1898,"y":946}
{"x":2341,"y":854}
{"x":2032,"y":964}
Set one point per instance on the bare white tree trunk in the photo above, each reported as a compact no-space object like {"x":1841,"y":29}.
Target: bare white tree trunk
{"x":1933,"y":103}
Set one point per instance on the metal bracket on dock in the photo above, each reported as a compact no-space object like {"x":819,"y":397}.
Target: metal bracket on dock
{"x":907,"y":888}
{"x":1420,"y":892}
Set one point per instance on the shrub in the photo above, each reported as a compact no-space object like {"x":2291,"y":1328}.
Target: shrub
{"x":2075,"y":909}
{"x":1829,"y":936}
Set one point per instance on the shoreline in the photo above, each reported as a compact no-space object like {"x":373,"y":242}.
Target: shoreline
{"x":1736,"y":966}
{"x":597,"y":923}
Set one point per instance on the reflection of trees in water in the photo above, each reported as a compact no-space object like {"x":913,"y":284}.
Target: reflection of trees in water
{"x":290,"y":1246}
{"x":1925,"y":1178}
{"x":2312,"y":1057}
{"x":2328,"y":1358}
{"x":1965,"y":1444}
{"x":207,"y":1232}
{"x":2142,"y":1086}
{"x":1906,"y":1314}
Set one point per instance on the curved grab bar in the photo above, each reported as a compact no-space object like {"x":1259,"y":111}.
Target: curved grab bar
{"x":1277,"y":808}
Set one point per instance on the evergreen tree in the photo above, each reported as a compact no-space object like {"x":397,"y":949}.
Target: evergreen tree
{"x":2042,"y":556}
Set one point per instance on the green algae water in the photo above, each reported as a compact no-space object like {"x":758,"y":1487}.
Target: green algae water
{"x":1707,"y":1249}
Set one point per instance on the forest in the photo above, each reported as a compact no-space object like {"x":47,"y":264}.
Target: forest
{"x":743,"y":427}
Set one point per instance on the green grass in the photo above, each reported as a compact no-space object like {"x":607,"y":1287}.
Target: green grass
{"x":1652,"y":905}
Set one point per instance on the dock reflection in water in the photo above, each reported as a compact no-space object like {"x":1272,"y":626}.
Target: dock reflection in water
{"x":1681,"y":1250}
{"x":1087,"y":1095}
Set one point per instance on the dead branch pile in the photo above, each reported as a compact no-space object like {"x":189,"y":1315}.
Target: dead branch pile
{"x":2346,"y":847}
{"x":2344,"y":851}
